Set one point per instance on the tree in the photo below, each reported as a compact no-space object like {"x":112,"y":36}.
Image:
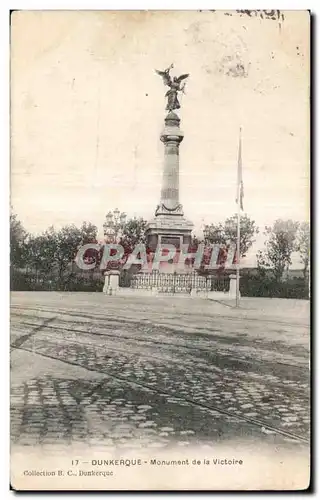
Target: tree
{"x":18,"y":236}
{"x":226,"y":233}
{"x":133,"y":232}
{"x":54,"y":251}
{"x":303,"y":246}
{"x":278,"y":248}
{"x":67,"y":242}
{"x":88,"y":233}
{"x":40,"y":253}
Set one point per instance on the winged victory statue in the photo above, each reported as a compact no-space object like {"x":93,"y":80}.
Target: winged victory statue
{"x":174,"y":87}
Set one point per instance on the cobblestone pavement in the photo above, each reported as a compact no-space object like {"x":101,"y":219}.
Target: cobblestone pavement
{"x":123,"y":373}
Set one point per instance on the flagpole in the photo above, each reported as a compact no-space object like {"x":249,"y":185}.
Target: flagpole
{"x":238,"y":238}
{"x":238,"y":253}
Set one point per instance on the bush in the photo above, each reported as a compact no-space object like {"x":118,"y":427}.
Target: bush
{"x":265,"y":286}
{"x":71,"y":282}
{"x":19,"y":281}
{"x":84,"y":283}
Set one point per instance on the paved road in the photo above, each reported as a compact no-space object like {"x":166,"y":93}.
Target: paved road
{"x":126,"y":373}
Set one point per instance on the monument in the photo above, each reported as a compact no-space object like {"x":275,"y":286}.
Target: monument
{"x":169,"y":226}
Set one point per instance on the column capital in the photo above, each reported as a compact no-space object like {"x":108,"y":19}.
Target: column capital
{"x":171,"y":134}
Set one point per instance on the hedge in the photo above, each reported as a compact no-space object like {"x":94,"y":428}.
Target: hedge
{"x":72,"y":282}
{"x":257,"y":286}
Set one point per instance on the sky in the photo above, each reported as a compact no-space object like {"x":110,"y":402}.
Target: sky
{"x":87,"y":110}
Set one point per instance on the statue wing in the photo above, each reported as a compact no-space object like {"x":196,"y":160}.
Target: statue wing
{"x":165,"y":77}
{"x":182,"y":77}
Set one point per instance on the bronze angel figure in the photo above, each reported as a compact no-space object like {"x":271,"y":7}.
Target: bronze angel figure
{"x":175,"y":87}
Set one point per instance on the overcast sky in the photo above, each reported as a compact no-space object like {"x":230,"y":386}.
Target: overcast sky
{"x":88,"y":108}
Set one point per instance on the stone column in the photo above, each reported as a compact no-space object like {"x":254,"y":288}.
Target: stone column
{"x":170,"y":180}
{"x":169,"y":223}
{"x":171,"y":137}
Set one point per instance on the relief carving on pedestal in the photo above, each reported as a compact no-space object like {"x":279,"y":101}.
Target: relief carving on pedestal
{"x":162,"y":209}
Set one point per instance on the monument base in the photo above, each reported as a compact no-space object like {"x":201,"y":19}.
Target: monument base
{"x":168,"y":230}
{"x":155,"y":293}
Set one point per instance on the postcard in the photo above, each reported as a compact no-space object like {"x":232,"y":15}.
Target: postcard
{"x":160,"y":250}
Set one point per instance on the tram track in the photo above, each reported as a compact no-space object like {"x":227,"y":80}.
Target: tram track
{"x":162,"y":343}
{"x":162,"y":392}
{"x":105,"y":317}
{"x":208,"y":357}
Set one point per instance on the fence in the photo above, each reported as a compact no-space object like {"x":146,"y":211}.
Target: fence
{"x":175,"y":282}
